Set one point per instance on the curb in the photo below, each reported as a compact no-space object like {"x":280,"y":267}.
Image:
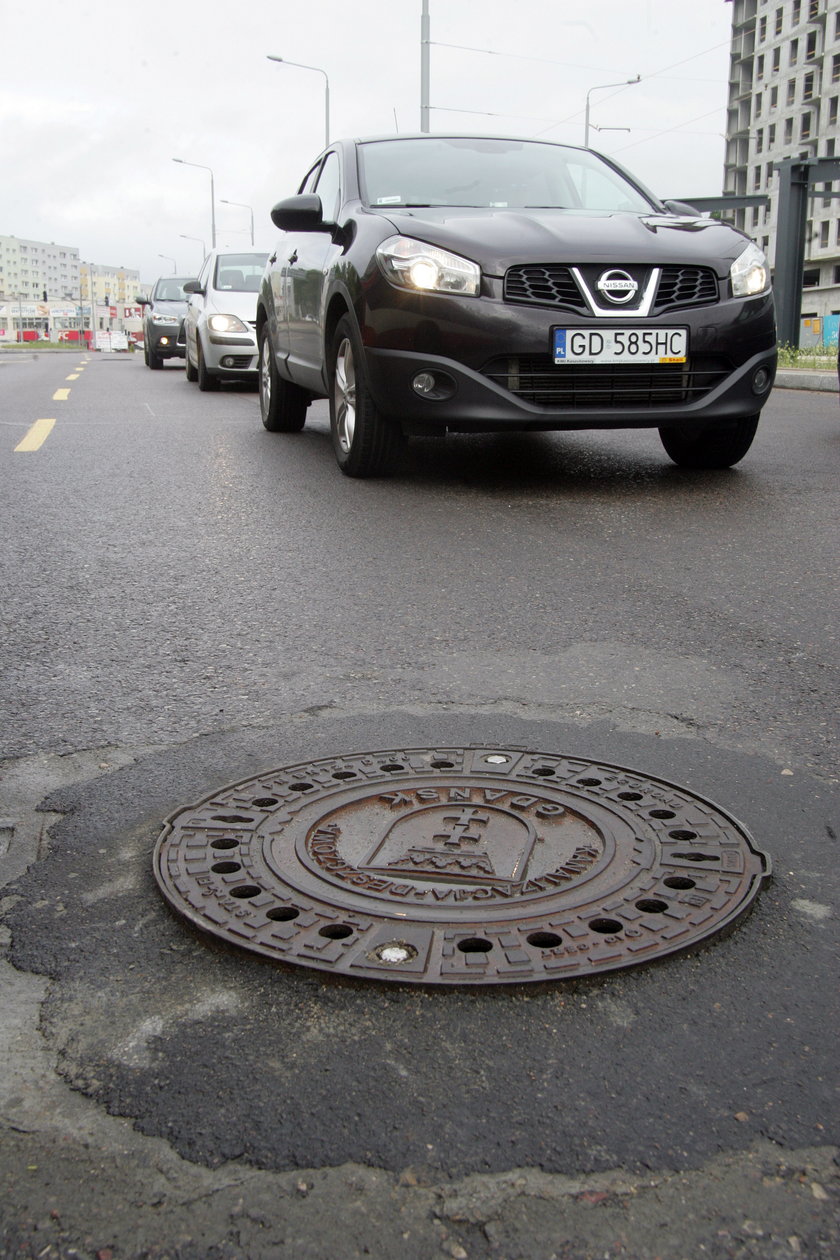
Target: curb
{"x":806,"y":378}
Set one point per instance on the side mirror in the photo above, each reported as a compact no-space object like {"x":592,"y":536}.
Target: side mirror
{"x":192,"y":286}
{"x":681,"y":207}
{"x":302,"y":213}
{"x":141,"y":300}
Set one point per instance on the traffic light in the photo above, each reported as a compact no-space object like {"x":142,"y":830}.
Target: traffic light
{"x":44,"y":298}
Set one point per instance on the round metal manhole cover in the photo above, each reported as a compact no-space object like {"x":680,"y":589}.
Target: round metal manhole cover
{"x":458,"y":866}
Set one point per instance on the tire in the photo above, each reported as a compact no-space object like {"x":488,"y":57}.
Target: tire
{"x":282,"y":404}
{"x":192,"y":373}
{"x":720,"y":445}
{"x":154,"y":360}
{"x":366,"y":443}
{"x":206,"y":380}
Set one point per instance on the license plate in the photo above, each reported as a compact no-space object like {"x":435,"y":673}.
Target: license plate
{"x":620,"y":345}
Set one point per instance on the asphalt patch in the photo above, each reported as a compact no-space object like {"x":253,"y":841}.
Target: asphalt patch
{"x":229,"y":1057}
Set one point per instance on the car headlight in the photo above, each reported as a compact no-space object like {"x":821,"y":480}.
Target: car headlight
{"x":423,"y":268}
{"x":749,"y":273}
{"x":228,"y":324}
{"x":165,"y":319}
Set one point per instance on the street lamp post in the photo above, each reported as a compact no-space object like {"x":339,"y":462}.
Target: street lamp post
{"x":183,"y":162}
{"x":170,"y":260}
{"x":600,"y":87}
{"x":425,"y":40}
{"x":242,"y":206}
{"x":195,"y":238}
{"x":317,"y":70}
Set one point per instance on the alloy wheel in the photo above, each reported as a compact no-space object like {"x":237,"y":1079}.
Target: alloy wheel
{"x":265,"y":377}
{"x":344,"y":395}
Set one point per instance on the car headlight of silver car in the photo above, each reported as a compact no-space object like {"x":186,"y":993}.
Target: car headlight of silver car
{"x":749,"y":273}
{"x":423,"y":268}
{"x":227,"y":324}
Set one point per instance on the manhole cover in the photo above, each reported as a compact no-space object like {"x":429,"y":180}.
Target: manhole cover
{"x":458,"y":866}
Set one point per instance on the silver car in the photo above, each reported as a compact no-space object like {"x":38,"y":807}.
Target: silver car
{"x":220,"y":326}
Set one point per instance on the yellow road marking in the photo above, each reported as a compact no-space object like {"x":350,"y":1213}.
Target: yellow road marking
{"x":74,"y":376}
{"x":61,"y":395}
{"x":36,"y":436}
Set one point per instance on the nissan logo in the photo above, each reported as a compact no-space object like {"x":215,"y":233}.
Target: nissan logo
{"x":617,"y":286}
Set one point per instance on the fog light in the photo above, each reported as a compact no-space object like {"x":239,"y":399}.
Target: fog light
{"x":164,"y":341}
{"x":436,"y":386}
{"x":760,"y":380}
{"x":423,"y":383}
{"x":228,"y":360}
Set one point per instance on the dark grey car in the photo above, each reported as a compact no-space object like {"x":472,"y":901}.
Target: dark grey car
{"x":163,"y":321}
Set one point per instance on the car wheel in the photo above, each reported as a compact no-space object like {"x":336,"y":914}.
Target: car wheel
{"x":282,"y":404}
{"x":206,"y":381}
{"x":192,"y":374}
{"x":720,"y":445}
{"x":366,"y":443}
{"x":154,"y":360}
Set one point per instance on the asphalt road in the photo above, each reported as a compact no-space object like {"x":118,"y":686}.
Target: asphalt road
{"x":189,"y":600}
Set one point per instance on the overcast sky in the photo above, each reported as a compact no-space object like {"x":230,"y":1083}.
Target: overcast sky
{"x":97,"y":98}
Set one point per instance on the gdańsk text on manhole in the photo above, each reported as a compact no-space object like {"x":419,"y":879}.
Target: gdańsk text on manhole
{"x":458,"y":866}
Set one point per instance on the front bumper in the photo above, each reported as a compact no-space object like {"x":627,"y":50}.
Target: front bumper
{"x":496,"y":372}
{"x":229,"y":354}
{"x":167,"y":340}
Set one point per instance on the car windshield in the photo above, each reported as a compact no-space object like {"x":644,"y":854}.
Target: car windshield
{"x":171,"y":289}
{"x":492,"y":174}
{"x":239,"y":273}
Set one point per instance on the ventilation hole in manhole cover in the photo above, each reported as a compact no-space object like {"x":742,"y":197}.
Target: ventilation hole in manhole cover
{"x":466,"y":866}
{"x":475,"y":945}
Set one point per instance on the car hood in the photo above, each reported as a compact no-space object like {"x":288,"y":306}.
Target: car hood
{"x":498,"y":239}
{"x":178,"y":309}
{"x":232,"y":302}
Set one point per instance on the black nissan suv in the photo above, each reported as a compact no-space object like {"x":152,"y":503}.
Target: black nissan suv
{"x":432,"y":284}
{"x":163,"y":321}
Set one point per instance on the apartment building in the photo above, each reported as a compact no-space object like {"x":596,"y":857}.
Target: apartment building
{"x":28,"y":269}
{"x":112,"y":286}
{"x":784,"y":88}
{"x":45,"y":290}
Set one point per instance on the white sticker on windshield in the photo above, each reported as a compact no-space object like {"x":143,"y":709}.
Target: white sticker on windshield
{"x":388,"y":201}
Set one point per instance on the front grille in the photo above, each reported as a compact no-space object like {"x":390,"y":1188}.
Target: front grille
{"x":685,"y":286}
{"x":543,"y":285}
{"x":537,"y":380}
{"x":553,"y":284}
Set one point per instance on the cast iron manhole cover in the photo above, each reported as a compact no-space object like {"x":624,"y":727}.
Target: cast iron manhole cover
{"x":458,"y":866}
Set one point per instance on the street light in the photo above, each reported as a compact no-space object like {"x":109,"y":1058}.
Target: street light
{"x":170,"y":260}
{"x":317,"y":70}
{"x":242,"y":206}
{"x":195,"y":238}
{"x":600,"y":87}
{"x":198,"y":165}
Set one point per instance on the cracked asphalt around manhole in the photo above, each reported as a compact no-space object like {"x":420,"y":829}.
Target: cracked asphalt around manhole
{"x":246,"y":608}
